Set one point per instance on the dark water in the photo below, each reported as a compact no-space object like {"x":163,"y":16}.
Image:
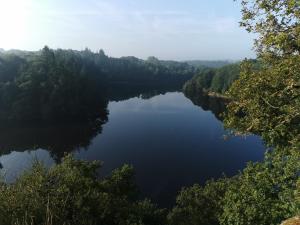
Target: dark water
{"x":170,"y":141}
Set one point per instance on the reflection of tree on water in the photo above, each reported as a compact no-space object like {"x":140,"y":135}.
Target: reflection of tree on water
{"x":56,"y":138}
{"x":119,"y":92}
{"x":61,"y":137}
{"x":214,"y":104}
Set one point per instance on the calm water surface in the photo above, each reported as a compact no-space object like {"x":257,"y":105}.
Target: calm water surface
{"x":170,"y":142}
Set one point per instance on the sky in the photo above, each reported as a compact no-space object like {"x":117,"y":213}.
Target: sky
{"x":167,"y":29}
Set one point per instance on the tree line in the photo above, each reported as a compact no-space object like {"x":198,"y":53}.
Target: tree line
{"x":213,"y":79}
{"x":54,"y":85}
{"x":216,"y":80}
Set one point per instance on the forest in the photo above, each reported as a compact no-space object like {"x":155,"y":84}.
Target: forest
{"x":216,"y":79}
{"x":264,"y":100}
{"x":213,"y":79}
{"x":55,"y":85}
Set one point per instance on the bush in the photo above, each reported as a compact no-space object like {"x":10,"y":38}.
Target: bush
{"x":71,"y":193}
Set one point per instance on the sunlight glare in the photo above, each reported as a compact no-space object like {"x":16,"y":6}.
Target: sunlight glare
{"x":13,"y":22}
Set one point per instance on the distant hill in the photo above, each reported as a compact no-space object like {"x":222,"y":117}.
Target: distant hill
{"x":209,"y":63}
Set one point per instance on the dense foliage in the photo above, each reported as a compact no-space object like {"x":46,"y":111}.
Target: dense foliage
{"x":276,"y":24}
{"x":199,"y":205}
{"x":71,"y":193}
{"x":213,"y":79}
{"x":267,"y":101}
{"x":264,"y":192}
{"x":60,"y":84}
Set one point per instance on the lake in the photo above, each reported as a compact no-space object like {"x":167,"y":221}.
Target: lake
{"x":171,"y":142}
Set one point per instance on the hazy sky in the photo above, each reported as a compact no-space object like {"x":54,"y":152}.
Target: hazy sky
{"x":168,"y":29}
